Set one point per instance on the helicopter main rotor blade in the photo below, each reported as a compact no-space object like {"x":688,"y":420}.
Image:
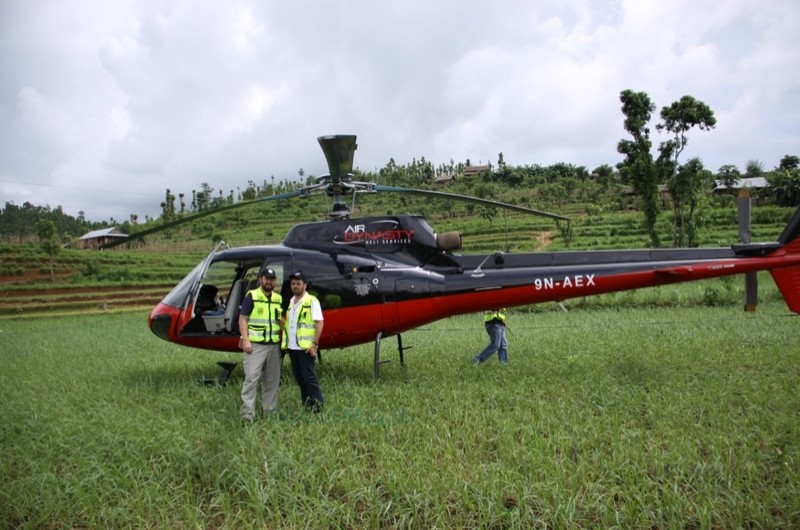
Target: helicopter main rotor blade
{"x":486,"y":202}
{"x":205,"y":213}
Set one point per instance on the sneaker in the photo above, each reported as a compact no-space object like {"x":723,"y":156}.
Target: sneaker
{"x":475,"y":362}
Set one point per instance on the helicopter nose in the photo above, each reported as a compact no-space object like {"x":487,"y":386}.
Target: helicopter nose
{"x":160,"y":325}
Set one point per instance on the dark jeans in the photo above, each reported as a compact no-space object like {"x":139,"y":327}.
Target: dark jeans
{"x":497,"y":343}
{"x":305,"y":373}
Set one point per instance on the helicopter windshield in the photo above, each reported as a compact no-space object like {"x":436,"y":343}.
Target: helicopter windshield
{"x":177,"y":296}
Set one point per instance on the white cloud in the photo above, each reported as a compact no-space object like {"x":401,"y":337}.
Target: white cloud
{"x":157,"y":95}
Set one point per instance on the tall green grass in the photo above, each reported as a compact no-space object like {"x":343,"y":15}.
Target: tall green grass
{"x":626,"y":418}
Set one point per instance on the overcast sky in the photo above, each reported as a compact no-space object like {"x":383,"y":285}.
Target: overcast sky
{"x":106,"y":104}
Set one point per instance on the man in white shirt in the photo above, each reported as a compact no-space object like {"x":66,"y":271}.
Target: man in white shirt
{"x":303,"y":329}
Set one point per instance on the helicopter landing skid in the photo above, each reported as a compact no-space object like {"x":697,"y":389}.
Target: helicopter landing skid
{"x":222,"y":378}
{"x":378,"y":362}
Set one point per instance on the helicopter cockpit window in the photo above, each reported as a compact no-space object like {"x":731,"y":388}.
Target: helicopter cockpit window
{"x":211,"y":306}
{"x":221,"y":291}
{"x":221,"y":274}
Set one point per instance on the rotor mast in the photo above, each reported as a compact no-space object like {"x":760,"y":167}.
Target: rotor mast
{"x":339,"y":152}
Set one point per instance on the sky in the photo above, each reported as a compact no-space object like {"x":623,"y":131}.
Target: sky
{"x":106,"y":105}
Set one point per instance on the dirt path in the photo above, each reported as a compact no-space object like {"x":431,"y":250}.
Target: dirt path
{"x":544,"y":239}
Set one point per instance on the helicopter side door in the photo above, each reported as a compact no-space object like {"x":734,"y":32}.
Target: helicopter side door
{"x":411,"y":300}
{"x":247,"y":280}
{"x":223,"y":282}
{"x":185,"y":294}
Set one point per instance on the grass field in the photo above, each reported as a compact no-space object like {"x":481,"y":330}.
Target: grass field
{"x":632,"y":418}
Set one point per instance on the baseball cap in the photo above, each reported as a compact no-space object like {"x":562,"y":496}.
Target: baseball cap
{"x":298,"y":276}
{"x":268,"y":273}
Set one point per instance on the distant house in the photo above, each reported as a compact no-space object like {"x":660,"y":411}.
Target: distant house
{"x":663,"y":192}
{"x":97,"y":238}
{"x":471,"y":171}
{"x":447,"y":178}
{"x":751,"y":183}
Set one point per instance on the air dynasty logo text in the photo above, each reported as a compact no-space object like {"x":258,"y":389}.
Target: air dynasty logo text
{"x":359,"y":233}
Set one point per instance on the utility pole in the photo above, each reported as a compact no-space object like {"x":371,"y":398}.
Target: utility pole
{"x":743,"y":204}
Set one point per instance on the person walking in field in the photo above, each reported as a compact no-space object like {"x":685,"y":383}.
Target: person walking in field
{"x":495,"y":323}
{"x":303,"y":327}
{"x":260,"y":322}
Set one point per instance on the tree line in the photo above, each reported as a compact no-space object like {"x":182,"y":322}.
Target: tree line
{"x":644,"y":171}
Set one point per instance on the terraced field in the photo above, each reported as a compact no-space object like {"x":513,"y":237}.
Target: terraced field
{"x":97,"y":281}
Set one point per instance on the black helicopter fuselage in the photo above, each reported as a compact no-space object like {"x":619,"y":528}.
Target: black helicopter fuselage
{"x":380,"y":276}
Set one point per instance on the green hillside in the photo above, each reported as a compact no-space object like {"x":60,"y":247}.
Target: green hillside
{"x":140,"y":273}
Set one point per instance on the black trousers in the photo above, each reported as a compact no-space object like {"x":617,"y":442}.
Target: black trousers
{"x":305,"y":373}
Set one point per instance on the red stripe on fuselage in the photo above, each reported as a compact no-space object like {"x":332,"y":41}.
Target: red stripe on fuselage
{"x":354,"y":325}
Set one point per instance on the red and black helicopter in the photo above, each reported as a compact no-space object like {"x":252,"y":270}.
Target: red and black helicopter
{"x":381,"y":276}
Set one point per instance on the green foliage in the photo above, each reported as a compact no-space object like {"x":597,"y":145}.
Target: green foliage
{"x":686,"y":188}
{"x":785,"y":186}
{"x":790,"y":162}
{"x":729,"y":175}
{"x":49,"y":241}
{"x":686,"y":183}
{"x":638,"y":167}
{"x":17,"y":223}
{"x":561,"y":187}
{"x":678,"y":119}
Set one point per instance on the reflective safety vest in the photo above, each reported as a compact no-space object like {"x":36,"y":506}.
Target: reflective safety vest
{"x":305,"y":324}
{"x":500,"y":315}
{"x":265,"y":320}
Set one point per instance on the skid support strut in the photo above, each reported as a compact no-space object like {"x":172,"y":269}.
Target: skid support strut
{"x":378,"y":362}
{"x":401,"y":349}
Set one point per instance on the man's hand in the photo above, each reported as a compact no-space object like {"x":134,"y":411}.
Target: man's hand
{"x":246,"y":346}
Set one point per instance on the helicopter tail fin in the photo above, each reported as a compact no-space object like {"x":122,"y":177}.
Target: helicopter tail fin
{"x":788,"y":278}
{"x":788,"y":281}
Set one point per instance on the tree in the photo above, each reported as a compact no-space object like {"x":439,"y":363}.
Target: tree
{"x":789,"y":162}
{"x":204,"y":196}
{"x":784,"y":186}
{"x":49,"y":242}
{"x":686,"y":188}
{"x":487,"y":212}
{"x":684,"y":183}
{"x":638,"y":167}
{"x":168,"y":206}
{"x":754,"y":168}
{"x":604,"y":176}
{"x":729,"y":175}
{"x":679,"y":118}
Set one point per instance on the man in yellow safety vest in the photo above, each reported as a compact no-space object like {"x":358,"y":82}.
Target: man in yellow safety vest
{"x":303,"y":328}
{"x":495,"y":323}
{"x":260,"y":321}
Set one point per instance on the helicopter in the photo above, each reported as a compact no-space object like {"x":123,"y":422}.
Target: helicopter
{"x":380,"y":276}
